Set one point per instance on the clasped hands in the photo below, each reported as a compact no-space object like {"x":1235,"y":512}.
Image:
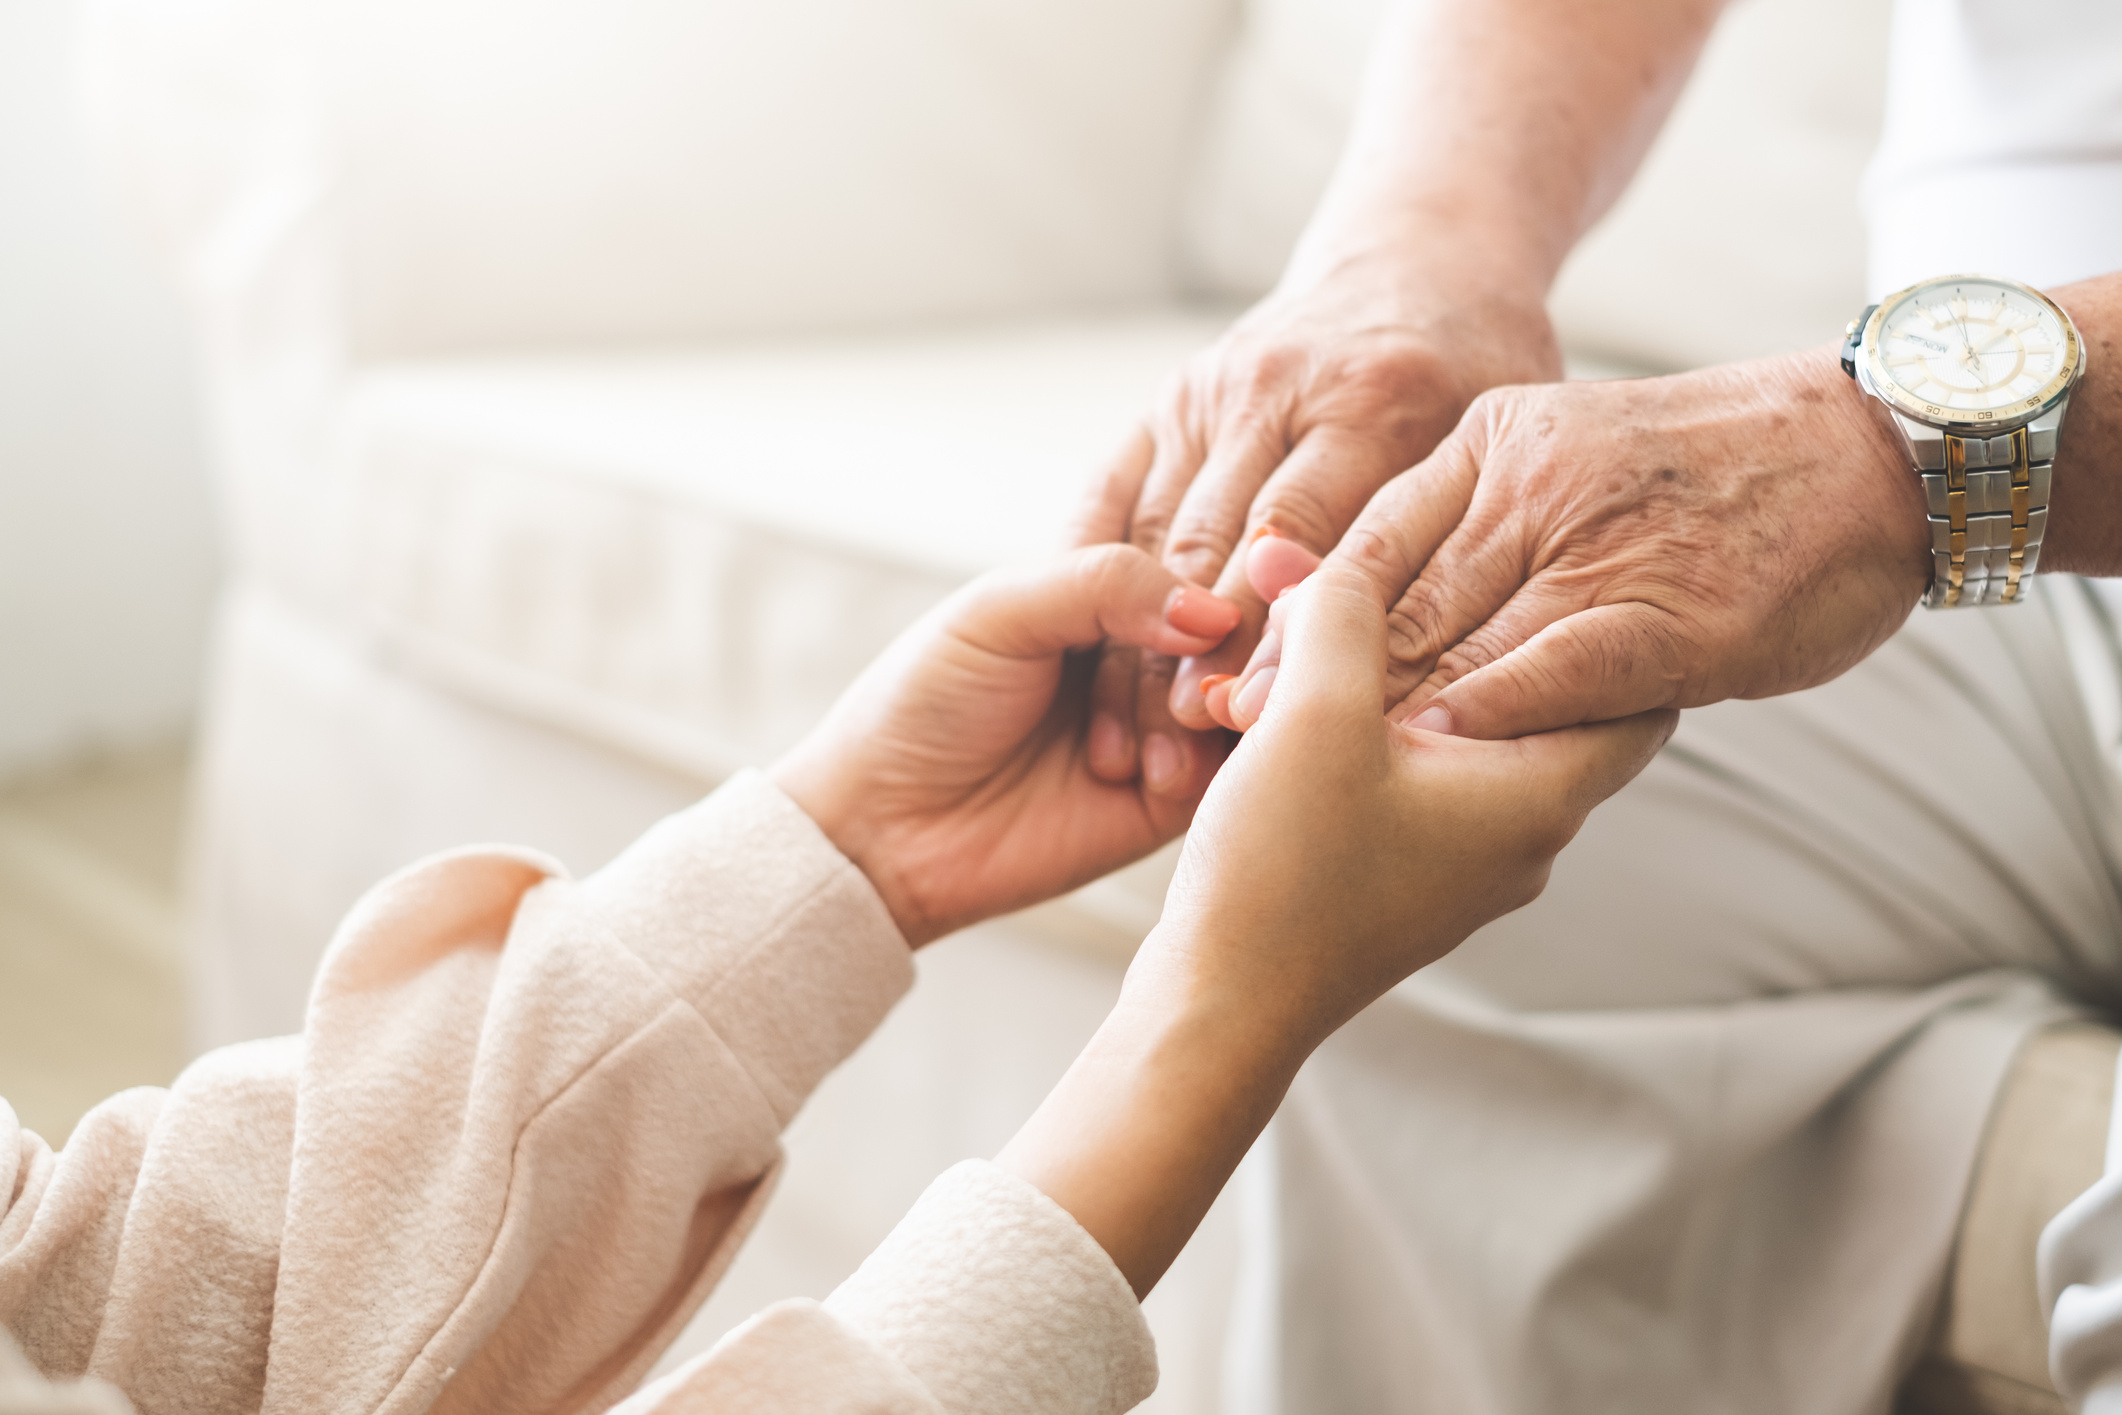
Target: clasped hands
{"x":1546,"y":553}
{"x":1497,"y":637}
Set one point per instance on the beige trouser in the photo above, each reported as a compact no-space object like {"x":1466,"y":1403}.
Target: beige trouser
{"x":1693,"y":1132}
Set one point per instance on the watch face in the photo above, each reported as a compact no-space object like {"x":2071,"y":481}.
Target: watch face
{"x":1971,"y":350}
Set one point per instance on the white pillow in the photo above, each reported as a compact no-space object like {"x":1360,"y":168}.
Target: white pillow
{"x":559,"y":171}
{"x":1740,"y":236}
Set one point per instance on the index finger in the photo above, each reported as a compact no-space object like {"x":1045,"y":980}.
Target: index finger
{"x":1384,"y":552}
{"x":1306,"y":506}
{"x":1395,"y":536}
{"x":1090,"y":596}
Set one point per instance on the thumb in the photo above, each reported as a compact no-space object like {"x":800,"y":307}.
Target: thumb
{"x":1607,"y":662}
{"x":1578,"y":767}
{"x":1084,"y":598}
{"x":1332,"y":652}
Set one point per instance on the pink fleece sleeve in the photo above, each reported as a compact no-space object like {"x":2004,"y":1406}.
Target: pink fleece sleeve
{"x":526,"y":1126}
{"x":987,"y":1299}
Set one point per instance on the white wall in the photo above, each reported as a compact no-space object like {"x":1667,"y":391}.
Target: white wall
{"x":106,"y":536}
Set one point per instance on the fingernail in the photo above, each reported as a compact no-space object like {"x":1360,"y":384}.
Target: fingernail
{"x":1214,"y":680}
{"x":1259,"y":531}
{"x":1217,"y":703}
{"x":1249,"y":701}
{"x":1108,"y":745}
{"x":1161,"y":761}
{"x":1193,"y":610}
{"x":1434,"y":718}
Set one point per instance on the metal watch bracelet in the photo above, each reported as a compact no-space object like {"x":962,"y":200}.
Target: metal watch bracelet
{"x":1988,"y":508}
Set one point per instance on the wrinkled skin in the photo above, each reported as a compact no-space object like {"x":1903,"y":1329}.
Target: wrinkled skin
{"x":1578,"y":552}
{"x":1289,"y":423}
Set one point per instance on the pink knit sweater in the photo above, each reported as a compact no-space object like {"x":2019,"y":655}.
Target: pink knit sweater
{"x":529,"y":1123}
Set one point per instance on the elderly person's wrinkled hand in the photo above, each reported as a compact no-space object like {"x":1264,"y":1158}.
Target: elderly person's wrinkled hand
{"x":1576,"y":552}
{"x":1290,"y":422}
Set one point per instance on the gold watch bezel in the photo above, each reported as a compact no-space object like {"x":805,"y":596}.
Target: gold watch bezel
{"x":2018,"y":413}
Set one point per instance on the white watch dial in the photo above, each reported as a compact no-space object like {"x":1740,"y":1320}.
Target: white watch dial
{"x":1973,"y":346}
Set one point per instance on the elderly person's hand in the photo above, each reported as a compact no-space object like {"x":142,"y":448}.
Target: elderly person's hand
{"x":1583,"y":551}
{"x":1487,"y":139}
{"x":1290,"y":422}
{"x":952,"y":771}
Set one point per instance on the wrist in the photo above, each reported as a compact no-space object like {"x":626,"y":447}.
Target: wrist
{"x":819,"y":792}
{"x":1147,"y":1126}
{"x":1227,"y":995}
{"x":1458,"y":237}
{"x":1482,"y":330}
{"x":1885,"y":497}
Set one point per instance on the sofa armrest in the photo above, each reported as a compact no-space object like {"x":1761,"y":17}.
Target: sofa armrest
{"x":2045,"y":1145}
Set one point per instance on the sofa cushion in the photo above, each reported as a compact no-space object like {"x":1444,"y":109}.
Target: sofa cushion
{"x":688,"y":554}
{"x":550,"y":171}
{"x":1740,"y":236}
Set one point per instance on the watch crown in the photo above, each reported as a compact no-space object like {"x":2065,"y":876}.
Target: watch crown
{"x":1849,"y":330}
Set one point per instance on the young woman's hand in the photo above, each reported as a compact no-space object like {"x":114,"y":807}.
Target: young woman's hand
{"x":1335,"y":853}
{"x":1339,"y":850}
{"x":954,"y":770}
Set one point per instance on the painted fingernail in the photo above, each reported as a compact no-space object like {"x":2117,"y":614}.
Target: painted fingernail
{"x":1250,"y":701}
{"x":1210,"y":682}
{"x":1161,"y":761}
{"x":1259,"y":531}
{"x":1108,"y":746}
{"x":1193,"y":610}
{"x":1434,"y":718}
{"x":1217,"y":703}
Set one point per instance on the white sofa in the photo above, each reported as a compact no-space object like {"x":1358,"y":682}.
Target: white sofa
{"x":595,"y":386}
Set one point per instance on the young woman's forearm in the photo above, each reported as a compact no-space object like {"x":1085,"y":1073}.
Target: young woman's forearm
{"x":1492,"y":134}
{"x":1149,"y":1123}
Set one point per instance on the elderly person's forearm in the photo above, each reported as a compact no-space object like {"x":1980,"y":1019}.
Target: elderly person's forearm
{"x":1490,"y":136}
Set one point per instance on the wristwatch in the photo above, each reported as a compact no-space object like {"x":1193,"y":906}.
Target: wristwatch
{"x":1975,"y":372}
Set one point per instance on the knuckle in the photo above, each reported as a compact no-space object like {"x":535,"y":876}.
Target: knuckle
{"x":1198,"y":549}
{"x":1271,"y":365}
{"x":1488,"y":403}
{"x":1394,"y":377}
{"x":1152,"y":523}
{"x":1495,"y":408}
{"x":1296,"y":512}
{"x":1370,"y":547}
{"x":1414,"y":623}
{"x":1105,"y":570}
{"x":1475,"y":652}
{"x":1105,"y":563}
